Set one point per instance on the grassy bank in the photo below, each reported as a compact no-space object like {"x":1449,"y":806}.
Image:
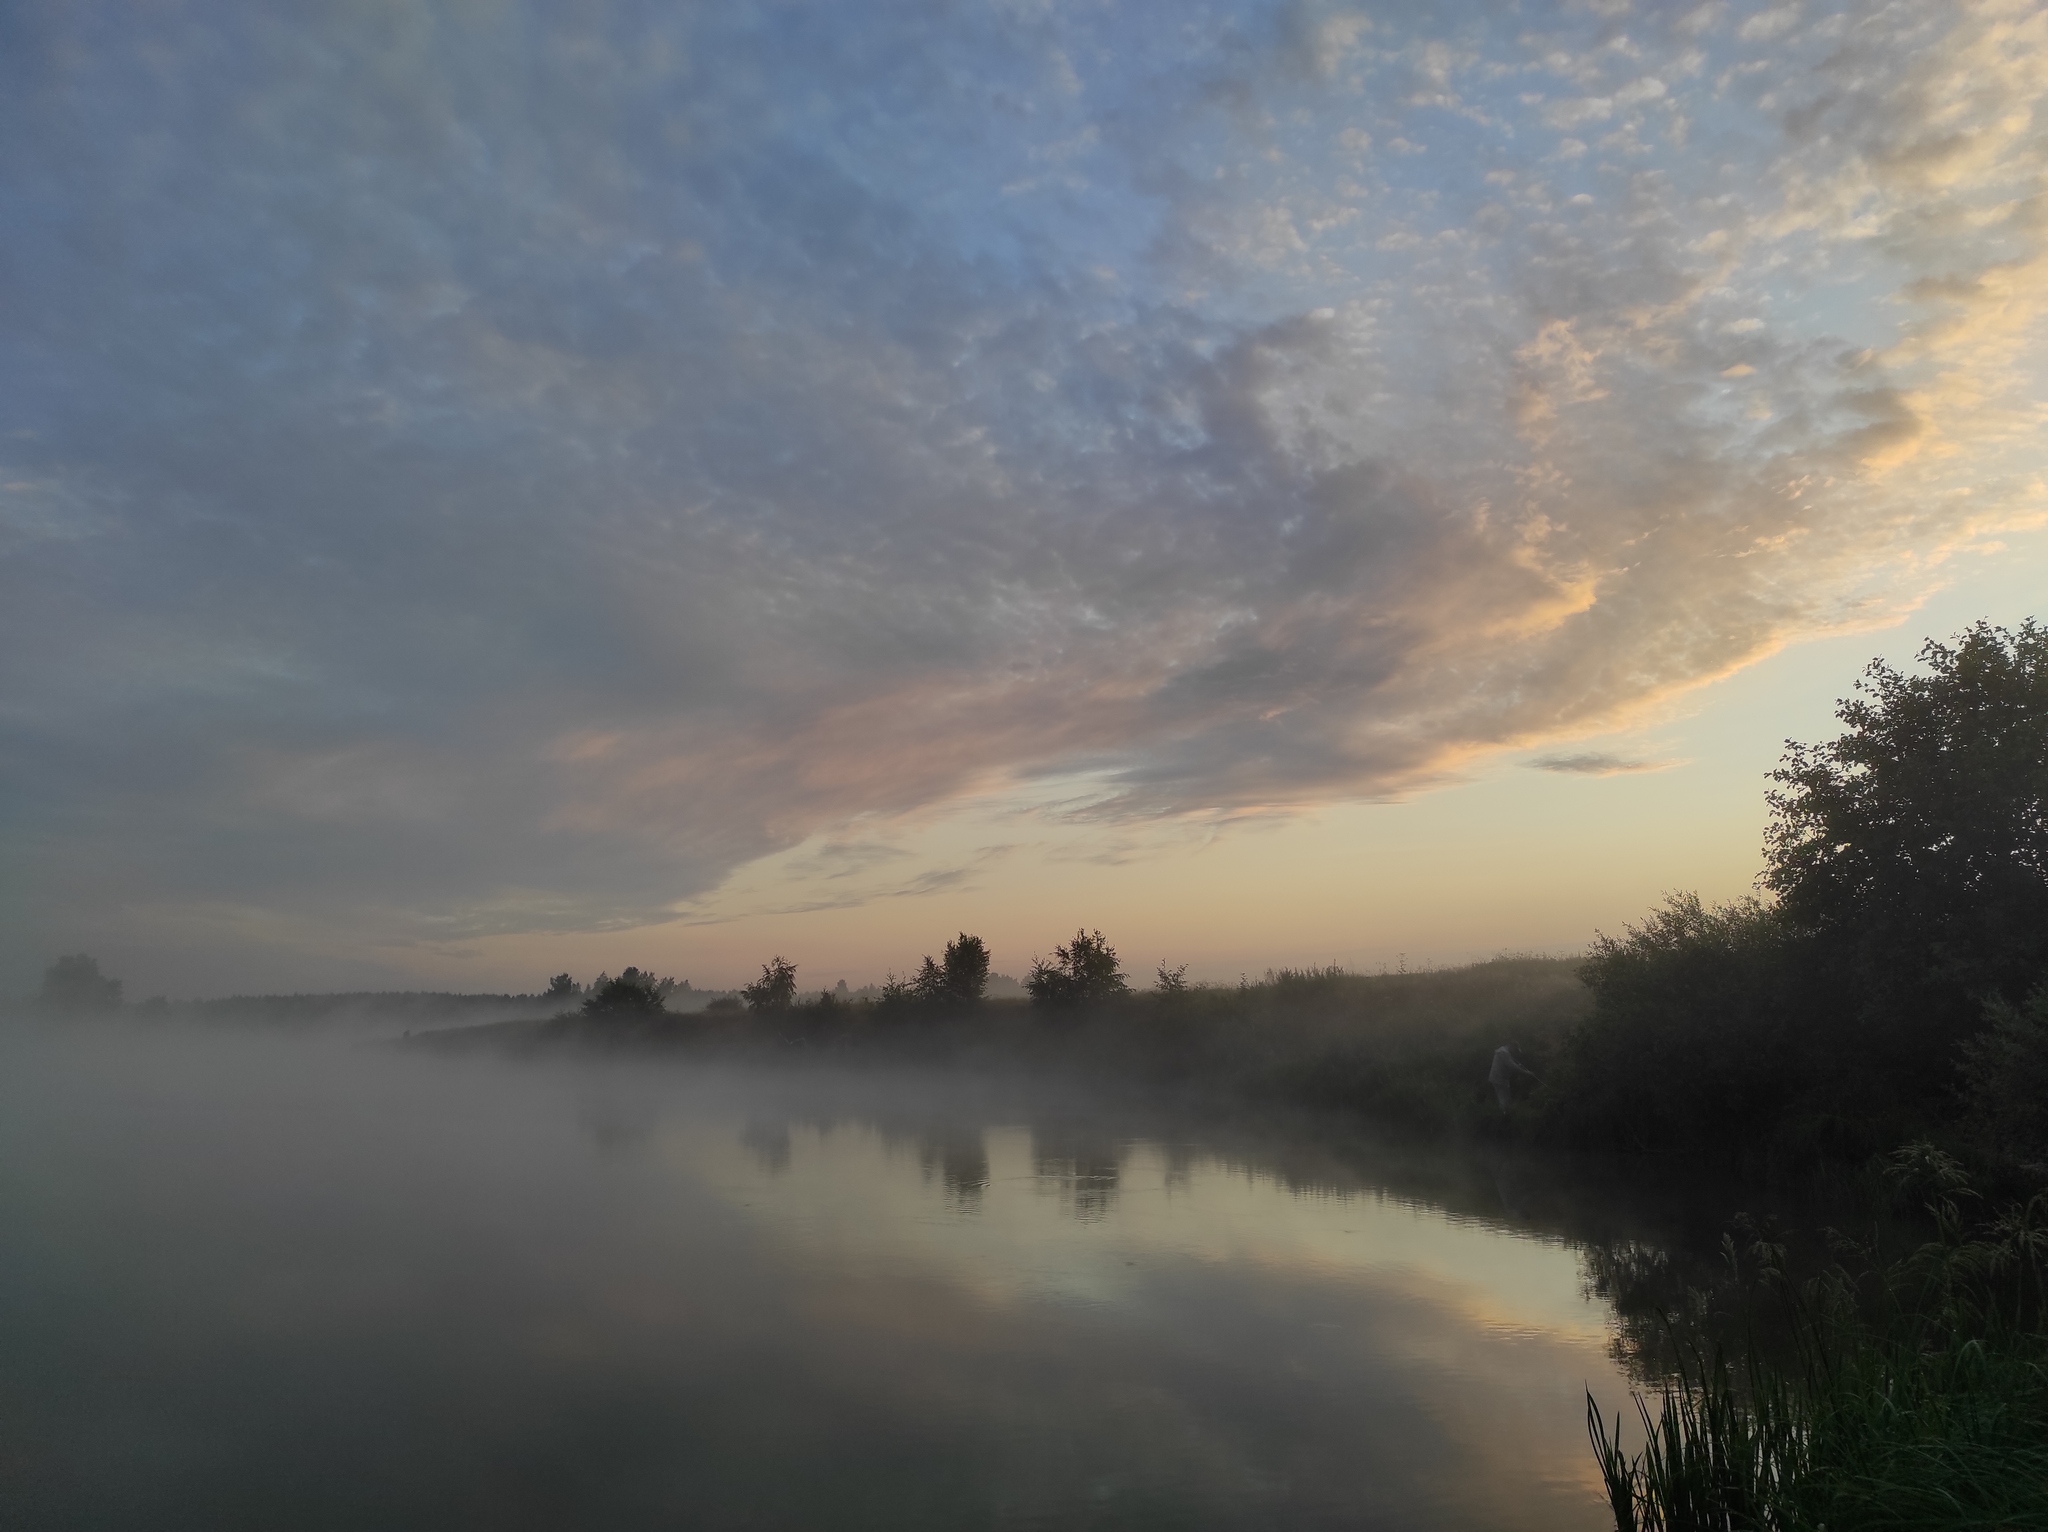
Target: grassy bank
{"x":1910,"y":1392}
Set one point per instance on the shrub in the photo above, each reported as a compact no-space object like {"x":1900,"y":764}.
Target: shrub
{"x":1084,"y":971}
{"x":632,"y":993}
{"x":1688,"y":1040}
{"x":775,"y":990}
{"x":2005,"y":1081}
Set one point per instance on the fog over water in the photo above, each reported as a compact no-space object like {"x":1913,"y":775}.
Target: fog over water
{"x":259,"y":1280}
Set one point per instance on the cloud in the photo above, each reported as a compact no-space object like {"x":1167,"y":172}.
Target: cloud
{"x":472,"y":477}
{"x":1598,"y":763}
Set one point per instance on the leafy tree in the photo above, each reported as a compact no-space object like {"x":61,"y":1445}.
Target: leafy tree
{"x":632,"y":993}
{"x":1912,"y":851}
{"x":928,"y":984}
{"x":966,"y":969}
{"x":775,"y":990}
{"x":75,"y":983}
{"x":562,"y":987}
{"x":1081,"y":972}
{"x":1171,"y":981}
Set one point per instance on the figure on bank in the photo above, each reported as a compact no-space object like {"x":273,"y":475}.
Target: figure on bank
{"x":1502,"y":1075}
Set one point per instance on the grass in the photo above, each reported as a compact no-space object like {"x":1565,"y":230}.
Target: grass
{"x":1908,"y":1394}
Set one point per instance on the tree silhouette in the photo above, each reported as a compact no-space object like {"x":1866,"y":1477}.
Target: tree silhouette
{"x":1912,"y":851}
{"x":966,"y":969}
{"x":1081,"y":972}
{"x":632,"y":993}
{"x":75,"y":983}
{"x":775,"y":990}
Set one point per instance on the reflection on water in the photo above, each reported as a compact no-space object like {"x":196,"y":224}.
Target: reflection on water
{"x":248,"y":1282}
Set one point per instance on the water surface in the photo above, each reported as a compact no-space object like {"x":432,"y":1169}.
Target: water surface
{"x":251,"y":1281}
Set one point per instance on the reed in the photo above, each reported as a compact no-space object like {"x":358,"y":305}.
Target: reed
{"x":1911,"y":1394}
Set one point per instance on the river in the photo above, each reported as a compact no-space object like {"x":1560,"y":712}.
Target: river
{"x":257,"y":1280}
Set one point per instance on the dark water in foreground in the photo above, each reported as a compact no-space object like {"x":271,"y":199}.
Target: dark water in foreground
{"x":257,"y":1282}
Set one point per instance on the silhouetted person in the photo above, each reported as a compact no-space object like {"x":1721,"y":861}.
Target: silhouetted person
{"x":1502,"y":1075}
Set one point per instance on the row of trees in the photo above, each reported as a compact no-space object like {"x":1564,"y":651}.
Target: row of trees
{"x":1084,"y":971}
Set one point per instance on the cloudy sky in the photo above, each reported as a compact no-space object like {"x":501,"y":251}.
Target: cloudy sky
{"x":491,"y":488}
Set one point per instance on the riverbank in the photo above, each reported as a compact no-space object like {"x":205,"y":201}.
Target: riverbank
{"x":1406,"y":1050}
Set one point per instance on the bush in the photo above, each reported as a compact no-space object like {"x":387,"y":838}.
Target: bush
{"x":632,"y":993}
{"x":775,"y":990}
{"x":1084,"y":971}
{"x":1689,"y":1040}
{"x":2005,"y":1082}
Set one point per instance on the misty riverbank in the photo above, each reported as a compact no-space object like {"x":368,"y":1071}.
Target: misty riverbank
{"x":1406,"y":1051}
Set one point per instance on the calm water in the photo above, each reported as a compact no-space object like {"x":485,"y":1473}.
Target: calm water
{"x":252,"y":1282}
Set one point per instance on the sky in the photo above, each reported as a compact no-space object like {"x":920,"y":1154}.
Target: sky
{"x":490,"y":489}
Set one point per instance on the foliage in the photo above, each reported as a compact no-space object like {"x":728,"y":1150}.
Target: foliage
{"x":1909,"y":859}
{"x":1915,"y":1393}
{"x":2005,"y":1082}
{"x":562,"y":987}
{"x":1171,"y":981}
{"x":965,"y":969}
{"x":1084,"y":971}
{"x":75,"y":983}
{"x":632,"y":993}
{"x":928,"y":984}
{"x":1691,"y":1038}
{"x":1913,"y":849}
{"x":775,"y":990}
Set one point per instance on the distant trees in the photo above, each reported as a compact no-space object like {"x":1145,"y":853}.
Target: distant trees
{"x":1084,"y":971}
{"x":562,"y":987}
{"x":75,"y":983}
{"x":775,"y":990}
{"x":632,"y":993}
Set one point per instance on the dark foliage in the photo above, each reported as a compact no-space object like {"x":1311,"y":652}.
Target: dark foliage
{"x":1691,"y":1037}
{"x":1909,"y":1393}
{"x":965,"y":969}
{"x":632,"y":993}
{"x":1909,"y":857}
{"x":1084,"y":971}
{"x":1912,"y":851}
{"x":775,"y":990}
{"x":75,"y":983}
{"x":2005,"y":1084}
{"x":562,"y":987}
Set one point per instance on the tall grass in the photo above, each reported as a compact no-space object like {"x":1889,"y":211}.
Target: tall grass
{"x":1912,"y":1393}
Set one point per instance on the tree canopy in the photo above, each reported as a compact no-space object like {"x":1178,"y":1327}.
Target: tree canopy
{"x":75,"y":983}
{"x":1081,"y":972}
{"x":775,"y":990}
{"x":1913,"y":848}
{"x":632,"y":993}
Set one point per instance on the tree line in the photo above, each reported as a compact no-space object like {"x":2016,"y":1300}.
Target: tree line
{"x":1891,"y":975}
